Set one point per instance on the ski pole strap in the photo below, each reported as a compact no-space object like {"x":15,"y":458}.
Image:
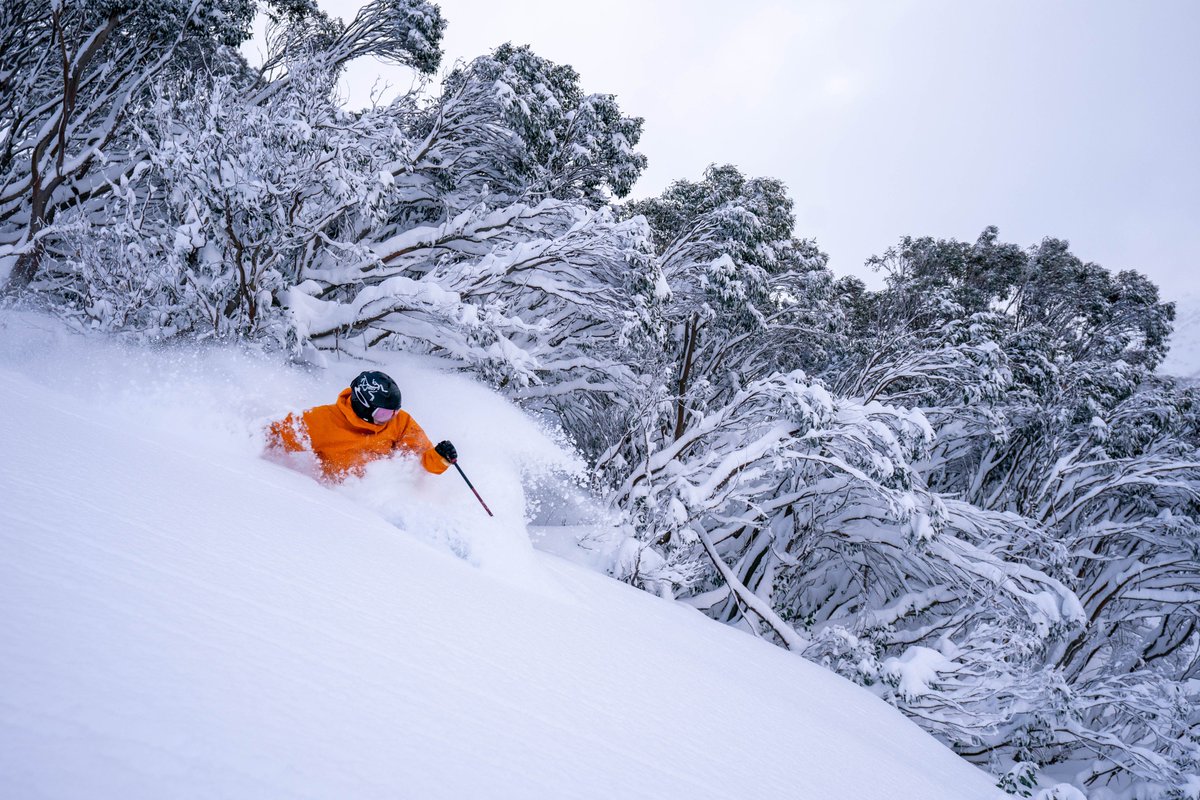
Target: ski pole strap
{"x":472,"y":487}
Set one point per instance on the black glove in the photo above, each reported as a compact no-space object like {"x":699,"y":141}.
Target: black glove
{"x":446,"y":451}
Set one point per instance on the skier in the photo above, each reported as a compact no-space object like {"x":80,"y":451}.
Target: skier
{"x":365,"y":424}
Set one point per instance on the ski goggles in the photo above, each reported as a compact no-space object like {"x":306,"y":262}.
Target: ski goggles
{"x":382,"y":415}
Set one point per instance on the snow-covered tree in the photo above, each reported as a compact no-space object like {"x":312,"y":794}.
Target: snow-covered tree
{"x":492,"y":244}
{"x":73,"y":72}
{"x":1045,"y":406}
{"x":746,"y":297}
{"x":85,"y":72}
{"x":433,"y":223}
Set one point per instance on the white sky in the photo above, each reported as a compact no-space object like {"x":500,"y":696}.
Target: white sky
{"x":1077,"y":119}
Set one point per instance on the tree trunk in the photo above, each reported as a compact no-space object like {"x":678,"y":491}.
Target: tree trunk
{"x":691,"y":334}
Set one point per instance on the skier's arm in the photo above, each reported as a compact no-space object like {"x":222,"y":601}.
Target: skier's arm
{"x":288,"y":434}
{"x":434,"y":462}
{"x":414,"y":439}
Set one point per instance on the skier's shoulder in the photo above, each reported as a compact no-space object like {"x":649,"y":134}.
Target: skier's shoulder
{"x":324,"y":417}
{"x":402,"y":424}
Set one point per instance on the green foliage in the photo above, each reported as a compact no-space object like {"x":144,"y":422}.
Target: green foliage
{"x":1021,"y":780}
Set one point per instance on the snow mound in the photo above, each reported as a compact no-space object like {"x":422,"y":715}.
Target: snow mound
{"x":1183,"y":361}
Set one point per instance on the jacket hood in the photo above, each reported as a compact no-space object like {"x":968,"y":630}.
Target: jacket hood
{"x":343,"y":404}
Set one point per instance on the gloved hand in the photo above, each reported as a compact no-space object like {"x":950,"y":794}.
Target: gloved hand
{"x":446,"y":451}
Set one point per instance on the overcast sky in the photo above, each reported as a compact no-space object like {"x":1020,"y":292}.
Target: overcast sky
{"x":1074,"y":119}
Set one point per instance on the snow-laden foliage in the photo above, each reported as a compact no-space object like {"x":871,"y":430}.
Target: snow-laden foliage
{"x":968,"y":491}
{"x":491,"y":244}
{"x":747,"y":299}
{"x":1065,"y":425}
{"x":520,"y":126}
{"x":213,"y":223}
{"x":433,"y":223}
{"x":74,"y":75}
{"x":813,"y":501}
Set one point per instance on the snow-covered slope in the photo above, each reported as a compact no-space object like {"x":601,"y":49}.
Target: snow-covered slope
{"x":184,"y":619}
{"x":1184,"y":359}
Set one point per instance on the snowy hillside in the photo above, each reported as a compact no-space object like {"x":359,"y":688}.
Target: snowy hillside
{"x":184,"y":619}
{"x":1184,"y":358}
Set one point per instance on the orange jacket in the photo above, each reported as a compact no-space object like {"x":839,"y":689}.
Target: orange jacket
{"x":345,"y":443}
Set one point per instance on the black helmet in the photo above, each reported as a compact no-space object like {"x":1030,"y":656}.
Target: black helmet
{"x":372,"y":390}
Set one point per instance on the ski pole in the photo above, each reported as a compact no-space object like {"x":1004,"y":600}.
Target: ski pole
{"x":473,"y":489}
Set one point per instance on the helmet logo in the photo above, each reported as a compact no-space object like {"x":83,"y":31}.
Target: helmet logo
{"x":366,"y":389}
